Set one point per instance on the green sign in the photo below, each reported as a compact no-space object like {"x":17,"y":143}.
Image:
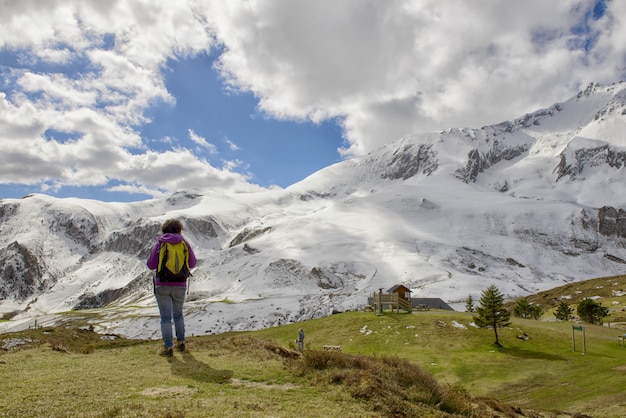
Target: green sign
{"x":579,"y":328}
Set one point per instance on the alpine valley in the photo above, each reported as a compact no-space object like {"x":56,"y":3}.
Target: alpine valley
{"x":527,"y":205}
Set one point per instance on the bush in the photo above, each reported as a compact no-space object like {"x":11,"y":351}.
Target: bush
{"x":391,"y":385}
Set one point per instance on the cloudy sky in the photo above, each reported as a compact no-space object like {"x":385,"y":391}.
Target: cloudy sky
{"x":130,"y":99}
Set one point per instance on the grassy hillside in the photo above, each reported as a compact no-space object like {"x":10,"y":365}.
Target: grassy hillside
{"x":609,"y":291}
{"x":424,"y":364}
{"x":542,"y":372}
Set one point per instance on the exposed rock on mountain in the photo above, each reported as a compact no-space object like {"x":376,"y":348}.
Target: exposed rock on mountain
{"x":22,"y":275}
{"x":612,"y":222}
{"x":409,"y":160}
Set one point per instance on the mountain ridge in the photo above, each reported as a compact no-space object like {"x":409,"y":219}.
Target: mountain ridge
{"x":523,"y":204}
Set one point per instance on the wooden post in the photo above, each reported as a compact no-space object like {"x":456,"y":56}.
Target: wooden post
{"x":408,"y":298}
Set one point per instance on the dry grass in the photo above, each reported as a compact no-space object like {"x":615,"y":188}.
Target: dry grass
{"x":390,"y":386}
{"x":609,"y":291}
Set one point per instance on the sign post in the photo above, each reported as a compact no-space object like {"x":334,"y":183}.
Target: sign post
{"x":579,"y":328}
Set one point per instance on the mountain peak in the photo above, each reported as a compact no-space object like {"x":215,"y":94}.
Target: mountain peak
{"x":525,"y":204}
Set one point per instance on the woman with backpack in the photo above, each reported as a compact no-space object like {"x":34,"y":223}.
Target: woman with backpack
{"x":171,"y":258}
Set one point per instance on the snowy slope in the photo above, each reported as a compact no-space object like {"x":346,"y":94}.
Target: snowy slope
{"x":526,"y":204}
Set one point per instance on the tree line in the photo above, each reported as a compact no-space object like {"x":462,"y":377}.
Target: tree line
{"x":492,"y":312}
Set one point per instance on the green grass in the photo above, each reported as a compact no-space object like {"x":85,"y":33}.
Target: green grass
{"x":543,"y":372}
{"x":219,"y":377}
{"x":425,"y":364}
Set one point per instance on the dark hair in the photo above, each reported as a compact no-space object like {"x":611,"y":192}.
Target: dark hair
{"x":172,"y":226}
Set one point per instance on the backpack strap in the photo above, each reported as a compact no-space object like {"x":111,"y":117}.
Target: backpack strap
{"x":162,"y":257}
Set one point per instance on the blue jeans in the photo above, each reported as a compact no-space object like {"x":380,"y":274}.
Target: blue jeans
{"x":170,"y":301}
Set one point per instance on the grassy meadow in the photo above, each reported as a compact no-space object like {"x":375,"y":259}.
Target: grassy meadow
{"x":423,"y":364}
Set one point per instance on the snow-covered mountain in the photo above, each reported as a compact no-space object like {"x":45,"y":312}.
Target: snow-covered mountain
{"x":526,"y":205}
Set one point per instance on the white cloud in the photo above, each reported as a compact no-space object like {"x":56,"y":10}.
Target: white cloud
{"x":181,"y":170}
{"x":113,"y":53}
{"x":202,"y":142}
{"x":383,"y":68}
{"x":395,"y":67}
{"x":138,"y":189}
{"x":232,"y":164}
{"x":231,"y":145}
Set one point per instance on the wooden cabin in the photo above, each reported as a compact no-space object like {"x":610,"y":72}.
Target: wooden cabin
{"x":396,"y":298}
{"x":399,"y":297}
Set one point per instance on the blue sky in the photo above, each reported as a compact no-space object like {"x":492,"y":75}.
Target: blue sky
{"x":231,"y":122}
{"x":269,"y":152}
{"x":122,"y":101}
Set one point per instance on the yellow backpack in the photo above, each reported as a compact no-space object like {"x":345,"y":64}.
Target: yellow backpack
{"x":173,"y":262}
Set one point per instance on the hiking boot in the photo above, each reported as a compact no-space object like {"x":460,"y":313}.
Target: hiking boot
{"x":166,"y":352}
{"x":181,"y":347}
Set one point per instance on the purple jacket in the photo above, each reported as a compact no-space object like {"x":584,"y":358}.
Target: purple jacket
{"x":153,"y":258}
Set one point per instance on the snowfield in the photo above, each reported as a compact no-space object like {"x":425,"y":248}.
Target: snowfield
{"x":526,"y":205}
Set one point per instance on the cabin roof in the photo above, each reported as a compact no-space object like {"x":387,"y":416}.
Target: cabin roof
{"x":435,"y":303}
{"x":399,"y":287}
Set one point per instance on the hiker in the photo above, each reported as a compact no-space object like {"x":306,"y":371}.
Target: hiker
{"x":300,"y":339}
{"x":170,"y":292}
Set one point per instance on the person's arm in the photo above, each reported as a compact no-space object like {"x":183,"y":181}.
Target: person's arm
{"x":192,"y":256}
{"x":153,"y":258}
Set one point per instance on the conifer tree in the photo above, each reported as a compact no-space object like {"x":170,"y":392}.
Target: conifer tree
{"x":527,"y":310}
{"x":469,"y":304}
{"x":590,"y":311}
{"x":492,"y":312}
{"x":563,"y":312}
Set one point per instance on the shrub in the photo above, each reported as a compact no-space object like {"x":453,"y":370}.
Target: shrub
{"x":391,"y":385}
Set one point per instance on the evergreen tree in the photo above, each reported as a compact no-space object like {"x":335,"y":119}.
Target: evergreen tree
{"x":491,"y":312}
{"x":563,"y":312}
{"x":469,"y":304}
{"x":535,"y":312}
{"x":591,"y":311}
{"x":527,"y":310}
